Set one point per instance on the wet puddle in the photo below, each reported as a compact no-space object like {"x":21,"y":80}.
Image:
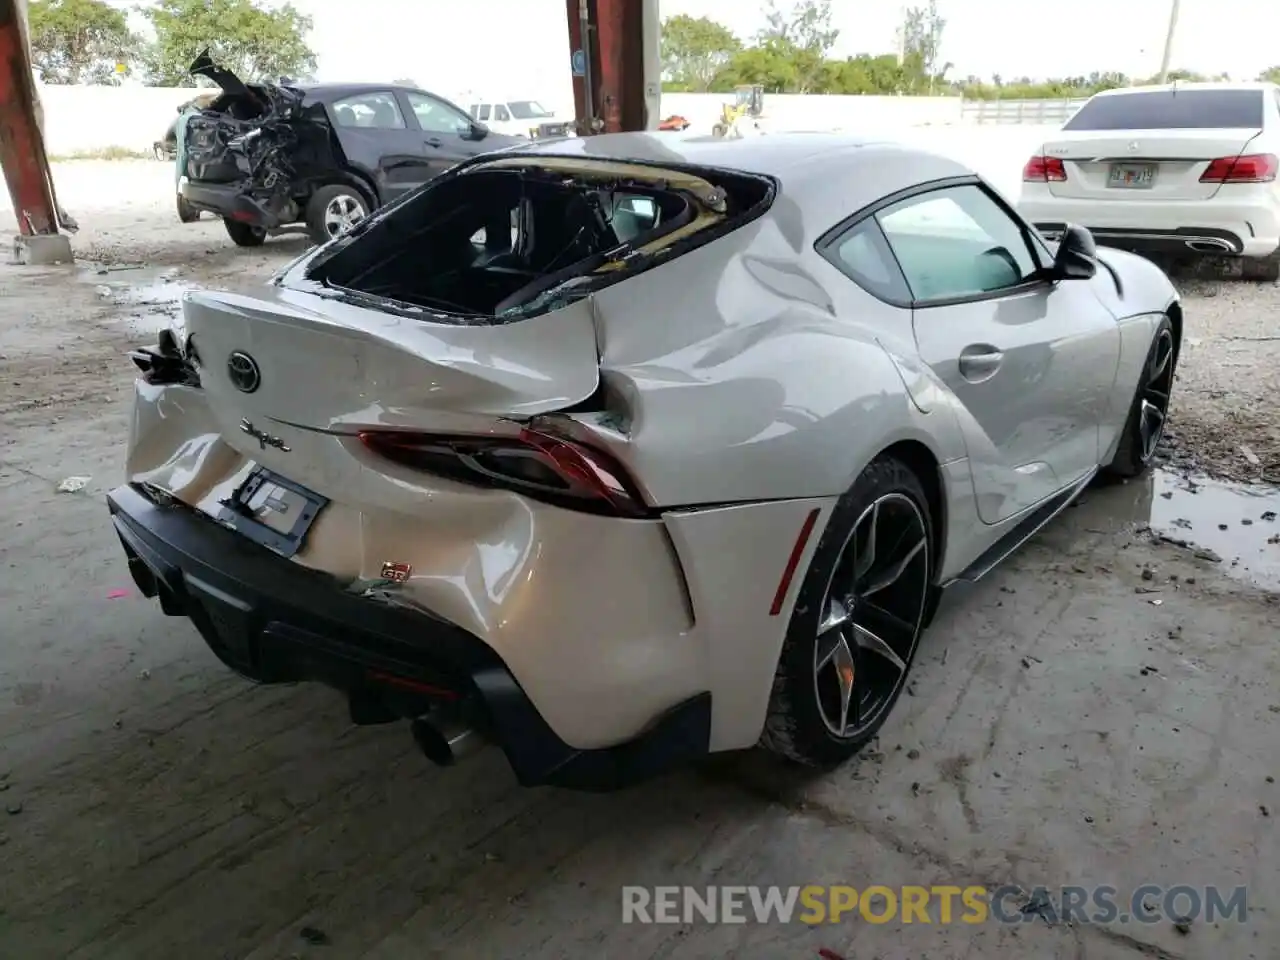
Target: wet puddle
{"x":151,"y":298}
{"x":1238,"y":524}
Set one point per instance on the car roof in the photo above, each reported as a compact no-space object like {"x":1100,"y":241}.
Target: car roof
{"x":787,"y":157}
{"x":1181,"y":86}
{"x":826,"y":176}
{"x":337,"y":91}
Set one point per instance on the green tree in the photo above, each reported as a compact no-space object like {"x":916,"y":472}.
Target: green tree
{"x":766,"y":65}
{"x":920,"y":39}
{"x":803,"y":35}
{"x":1270,"y":75}
{"x":254,"y":42}
{"x":79,"y":41}
{"x":694,"y":50}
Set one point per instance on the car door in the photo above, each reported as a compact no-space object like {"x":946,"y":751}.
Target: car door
{"x":445,"y":131}
{"x":1030,"y":360}
{"x":379,"y":142}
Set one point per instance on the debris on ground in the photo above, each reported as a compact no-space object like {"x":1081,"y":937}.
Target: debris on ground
{"x":14,"y":808}
{"x":73,"y":484}
{"x":314,"y":936}
{"x":1182,"y":925}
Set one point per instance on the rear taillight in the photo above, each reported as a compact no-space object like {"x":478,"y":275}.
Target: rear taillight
{"x":1250,"y":168}
{"x":1044,"y":170}
{"x":538,"y":464}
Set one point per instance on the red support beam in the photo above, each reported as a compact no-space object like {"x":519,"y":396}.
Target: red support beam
{"x":26,"y":168}
{"x":610,"y":99}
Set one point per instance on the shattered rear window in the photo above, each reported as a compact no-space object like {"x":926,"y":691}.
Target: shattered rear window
{"x":515,"y":237}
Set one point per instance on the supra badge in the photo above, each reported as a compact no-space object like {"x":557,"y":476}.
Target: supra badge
{"x":264,"y":439}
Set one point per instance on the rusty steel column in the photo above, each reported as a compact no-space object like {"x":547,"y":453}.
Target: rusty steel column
{"x":611,"y":97}
{"x":26,"y":168}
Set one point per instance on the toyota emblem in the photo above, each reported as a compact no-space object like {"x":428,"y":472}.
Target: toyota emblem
{"x":243,"y":371}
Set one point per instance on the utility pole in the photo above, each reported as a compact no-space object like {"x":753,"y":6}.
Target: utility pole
{"x":1168,"y":41}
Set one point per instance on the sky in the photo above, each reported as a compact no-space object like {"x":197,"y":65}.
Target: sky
{"x":520,"y":48}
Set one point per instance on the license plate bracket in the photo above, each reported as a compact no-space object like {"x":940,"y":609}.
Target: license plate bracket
{"x":1132,"y":176}
{"x":272,"y":511}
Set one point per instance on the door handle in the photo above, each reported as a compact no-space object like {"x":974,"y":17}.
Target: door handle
{"x":979,"y":361}
{"x":433,"y":142}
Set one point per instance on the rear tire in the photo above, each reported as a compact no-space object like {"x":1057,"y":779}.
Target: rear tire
{"x":245,"y":234}
{"x":1142,"y":432}
{"x":186,"y":212}
{"x":872,"y":576}
{"x":333,"y":210}
{"x":1266,"y":269}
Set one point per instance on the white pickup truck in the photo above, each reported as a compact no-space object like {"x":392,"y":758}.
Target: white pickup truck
{"x":521,"y":118}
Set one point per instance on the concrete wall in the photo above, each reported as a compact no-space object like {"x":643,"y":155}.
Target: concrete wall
{"x":87,"y":119}
{"x":84,"y":119}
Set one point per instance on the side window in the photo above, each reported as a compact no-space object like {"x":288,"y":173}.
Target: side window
{"x":484,"y":112}
{"x":865,"y":257}
{"x":436,"y":116}
{"x":957,"y":242}
{"x":377,"y":111}
{"x":501,"y":113}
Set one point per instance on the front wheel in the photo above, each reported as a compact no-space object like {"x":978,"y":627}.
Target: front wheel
{"x":1150,"y":408}
{"x":334,"y":210}
{"x":244,"y":234}
{"x":857,"y":620}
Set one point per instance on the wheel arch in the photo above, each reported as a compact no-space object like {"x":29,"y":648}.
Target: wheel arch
{"x":925,"y":465}
{"x":346,"y":178}
{"x":1174,"y":313}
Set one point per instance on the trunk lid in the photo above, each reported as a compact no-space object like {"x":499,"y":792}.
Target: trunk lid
{"x":1143,"y":165}
{"x":203,"y":66}
{"x":324,"y":366}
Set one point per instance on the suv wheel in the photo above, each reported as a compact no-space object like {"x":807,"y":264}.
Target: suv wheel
{"x":333,"y":210}
{"x":245,"y":234}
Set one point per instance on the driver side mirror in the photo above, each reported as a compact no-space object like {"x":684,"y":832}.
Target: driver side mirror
{"x":1077,"y":256}
{"x":477,"y":131}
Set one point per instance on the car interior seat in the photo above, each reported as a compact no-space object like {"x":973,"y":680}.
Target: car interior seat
{"x":384,"y":116}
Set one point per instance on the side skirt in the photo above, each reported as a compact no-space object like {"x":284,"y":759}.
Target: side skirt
{"x":1024,"y":530}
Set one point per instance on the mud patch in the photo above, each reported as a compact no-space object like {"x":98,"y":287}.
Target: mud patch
{"x":1237,"y":525}
{"x":150,"y":299}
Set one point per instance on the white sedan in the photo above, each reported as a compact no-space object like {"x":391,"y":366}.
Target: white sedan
{"x":619,"y":451}
{"x":1182,"y":169}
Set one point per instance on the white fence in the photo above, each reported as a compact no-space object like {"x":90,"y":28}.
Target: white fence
{"x":1055,"y":112}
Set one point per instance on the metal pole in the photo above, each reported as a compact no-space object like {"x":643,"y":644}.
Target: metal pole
{"x":588,"y":48}
{"x":1168,"y":41}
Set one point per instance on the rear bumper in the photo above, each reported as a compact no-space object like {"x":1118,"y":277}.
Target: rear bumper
{"x":1231,"y":227}
{"x":227,"y":200}
{"x":275,"y":621}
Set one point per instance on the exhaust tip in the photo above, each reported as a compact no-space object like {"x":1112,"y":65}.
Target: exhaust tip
{"x":1209,"y":246}
{"x":447,"y":743}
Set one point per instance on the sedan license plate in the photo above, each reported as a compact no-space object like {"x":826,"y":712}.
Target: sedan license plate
{"x":272,"y":511}
{"x":1132,"y":176}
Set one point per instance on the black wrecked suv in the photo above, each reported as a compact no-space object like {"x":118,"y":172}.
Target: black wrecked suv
{"x":269,"y":157}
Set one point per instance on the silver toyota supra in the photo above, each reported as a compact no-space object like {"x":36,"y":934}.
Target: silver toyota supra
{"x":618,"y":451}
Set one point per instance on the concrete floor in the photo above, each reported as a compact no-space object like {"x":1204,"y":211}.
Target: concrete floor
{"x":1062,"y":728}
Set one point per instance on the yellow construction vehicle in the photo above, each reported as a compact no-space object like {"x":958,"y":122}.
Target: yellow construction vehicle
{"x":748,"y":101}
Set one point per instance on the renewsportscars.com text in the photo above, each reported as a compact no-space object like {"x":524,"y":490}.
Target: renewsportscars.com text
{"x":1148,"y":903}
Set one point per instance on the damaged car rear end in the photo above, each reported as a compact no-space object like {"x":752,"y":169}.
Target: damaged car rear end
{"x":251,"y":151}
{"x":404,"y":469}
